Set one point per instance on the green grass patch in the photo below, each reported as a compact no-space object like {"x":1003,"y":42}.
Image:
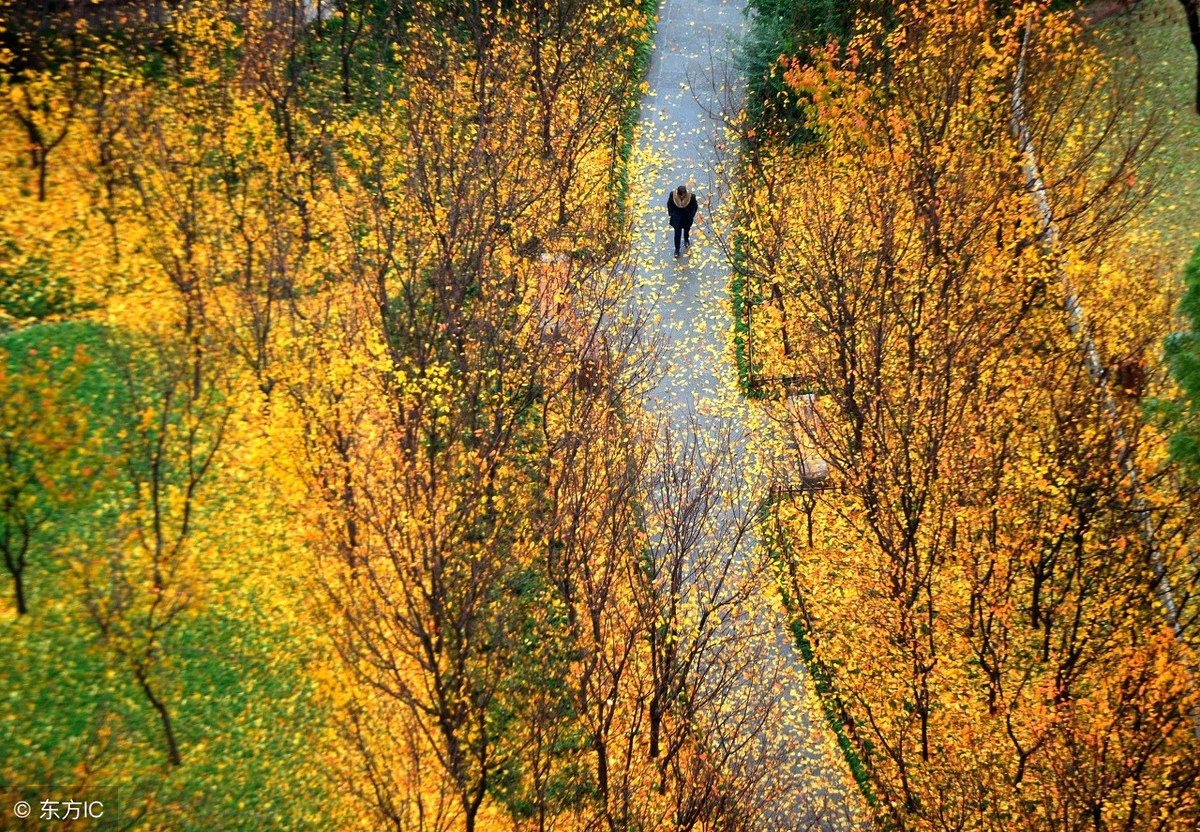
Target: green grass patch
{"x":74,"y":724}
{"x":1153,"y":39}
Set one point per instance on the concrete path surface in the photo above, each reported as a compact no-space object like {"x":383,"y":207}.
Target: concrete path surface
{"x":791,"y":753}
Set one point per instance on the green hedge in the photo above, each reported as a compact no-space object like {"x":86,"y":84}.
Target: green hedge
{"x":740,"y":301}
{"x":1182,"y":350}
{"x":788,"y":28}
{"x":633,"y":108}
{"x":820,"y":674}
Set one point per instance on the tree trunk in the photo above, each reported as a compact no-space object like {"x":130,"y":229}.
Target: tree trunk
{"x":1192,"y":9}
{"x":37,"y":159}
{"x":15,"y":562}
{"x":164,"y":716}
{"x":777,"y":294}
{"x":601,"y":766}
{"x":19,"y":591}
{"x":42,"y":178}
{"x":655,"y":724}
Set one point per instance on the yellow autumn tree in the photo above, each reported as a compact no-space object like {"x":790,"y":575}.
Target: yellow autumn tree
{"x":973,"y":574}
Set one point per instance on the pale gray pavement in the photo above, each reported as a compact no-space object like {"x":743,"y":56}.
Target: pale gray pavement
{"x":806,"y":783}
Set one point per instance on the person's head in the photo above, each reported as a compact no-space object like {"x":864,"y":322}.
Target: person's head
{"x":681,"y":191}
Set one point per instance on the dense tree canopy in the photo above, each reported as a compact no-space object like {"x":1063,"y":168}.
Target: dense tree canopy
{"x":974,"y":573}
{"x":329,"y":493}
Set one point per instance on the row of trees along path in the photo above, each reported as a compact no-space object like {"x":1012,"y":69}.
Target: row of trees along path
{"x":766,"y":725}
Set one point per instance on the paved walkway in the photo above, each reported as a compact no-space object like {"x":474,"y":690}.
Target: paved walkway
{"x":803,"y":776}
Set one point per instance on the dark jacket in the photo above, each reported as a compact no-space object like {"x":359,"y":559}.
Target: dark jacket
{"x":683,"y":215}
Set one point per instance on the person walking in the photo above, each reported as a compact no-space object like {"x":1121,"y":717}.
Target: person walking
{"x":681,"y":208}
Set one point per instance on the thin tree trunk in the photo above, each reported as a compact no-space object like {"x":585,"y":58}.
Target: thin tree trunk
{"x":777,"y":294}
{"x":19,"y":591}
{"x":18,"y":576}
{"x":1192,"y":9}
{"x":42,"y":178}
{"x":164,"y":716}
{"x":655,"y":724}
{"x":15,"y":561}
{"x":601,"y":766}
